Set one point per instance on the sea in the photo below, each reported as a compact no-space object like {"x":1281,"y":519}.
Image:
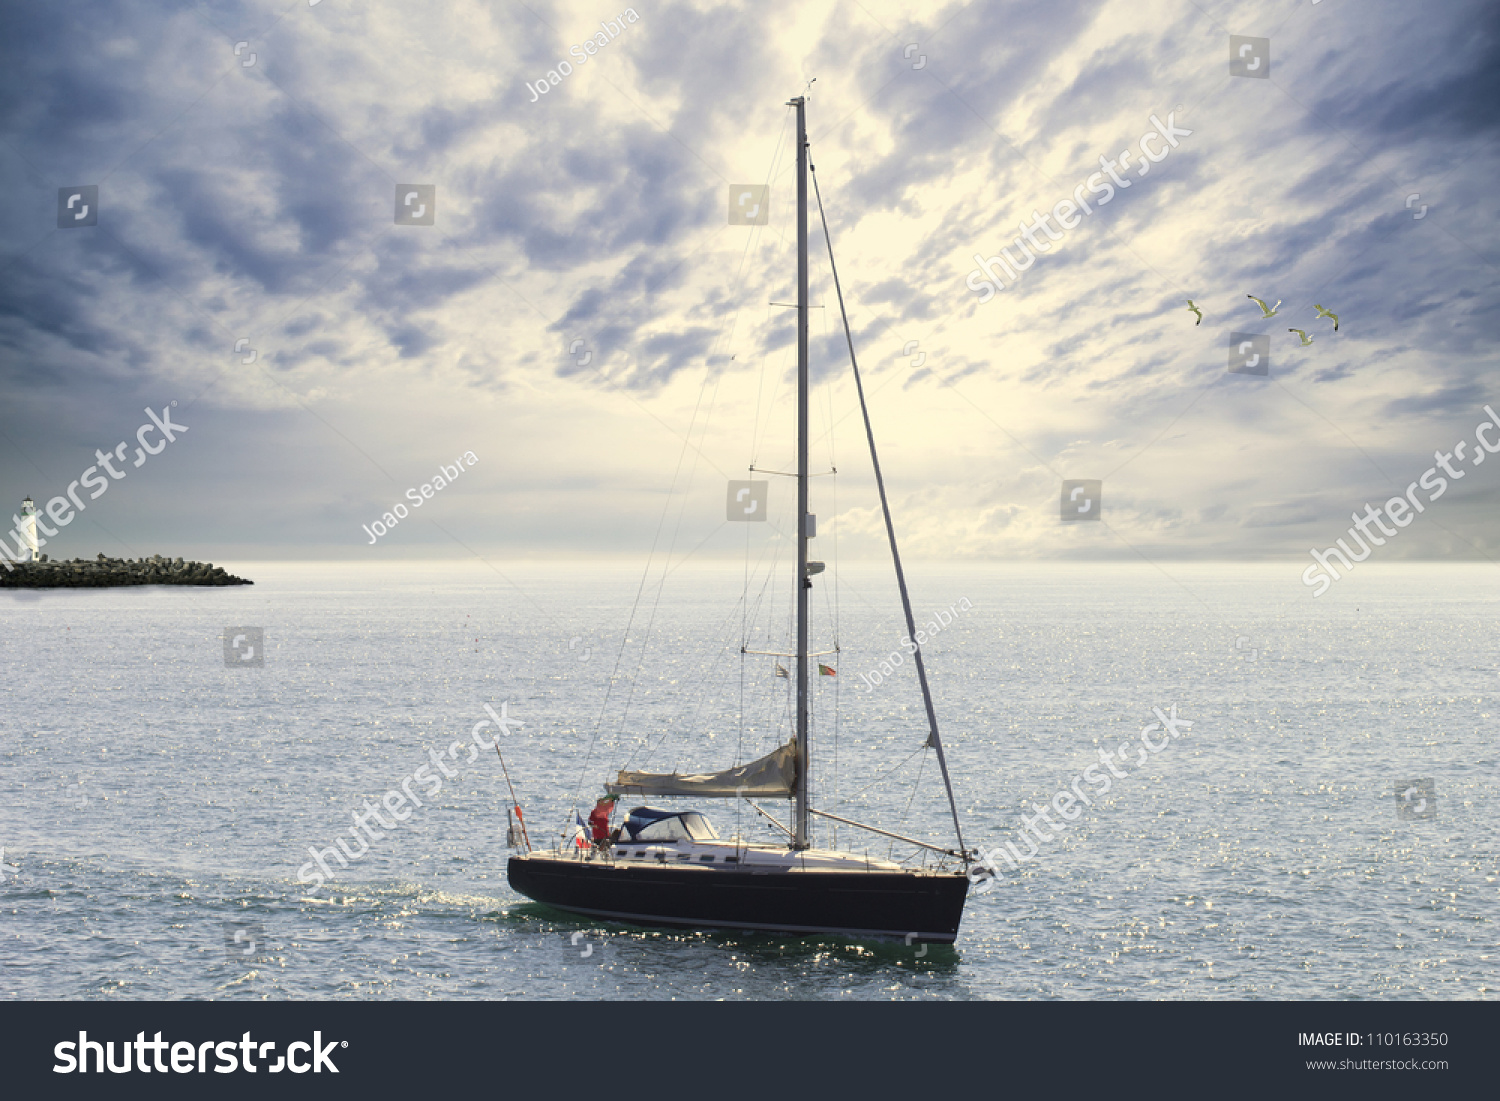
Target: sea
{"x":1315,"y":819}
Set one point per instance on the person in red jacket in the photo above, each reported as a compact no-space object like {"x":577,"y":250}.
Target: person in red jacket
{"x":599,"y":819}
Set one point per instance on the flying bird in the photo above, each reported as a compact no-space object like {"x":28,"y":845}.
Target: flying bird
{"x":1197,"y":311}
{"x":1306,"y":340}
{"x":1265,"y":312}
{"x":1328,"y":313}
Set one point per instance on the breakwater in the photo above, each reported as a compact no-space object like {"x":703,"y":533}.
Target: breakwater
{"x":102,"y":572}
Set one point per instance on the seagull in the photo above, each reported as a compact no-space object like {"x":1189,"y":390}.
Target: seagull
{"x":1306,"y":340}
{"x":1197,"y":311}
{"x":1264,"y":311}
{"x":1328,"y":313}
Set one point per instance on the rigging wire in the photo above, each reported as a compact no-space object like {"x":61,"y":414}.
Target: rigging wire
{"x":625,"y":637}
{"x":881,"y":778}
{"x":837,"y":631}
{"x":933,"y":738}
{"x":760,"y":382}
{"x":739,"y":741}
{"x":660,"y":586}
{"x":833,"y":613}
{"x":752,"y":239}
{"x":915,"y":784}
{"x":666,"y":507}
{"x":705,"y":671}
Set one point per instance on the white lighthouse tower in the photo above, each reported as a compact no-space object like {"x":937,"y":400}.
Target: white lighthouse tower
{"x":27,"y":531}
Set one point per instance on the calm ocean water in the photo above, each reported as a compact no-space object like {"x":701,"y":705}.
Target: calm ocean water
{"x":154,"y":803}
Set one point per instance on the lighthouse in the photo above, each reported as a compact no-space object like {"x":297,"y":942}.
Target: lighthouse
{"x":27,"y":531}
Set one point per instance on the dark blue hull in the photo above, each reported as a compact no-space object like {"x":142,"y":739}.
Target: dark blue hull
{"x":919,"y":907}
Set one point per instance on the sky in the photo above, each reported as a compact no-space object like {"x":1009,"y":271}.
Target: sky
{"x":583,"y":321}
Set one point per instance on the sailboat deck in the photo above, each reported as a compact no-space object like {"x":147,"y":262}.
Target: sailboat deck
{"x":726,"y":856}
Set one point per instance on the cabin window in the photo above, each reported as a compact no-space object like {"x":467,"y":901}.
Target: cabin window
{"x":731,"y":860}
{"x":698,"y":827}
{"x":667,"y":829}
{"x":706,"y":859}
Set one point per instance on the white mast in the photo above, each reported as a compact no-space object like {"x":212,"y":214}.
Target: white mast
{"x":27,"y":532}
{"x":801,"y":833}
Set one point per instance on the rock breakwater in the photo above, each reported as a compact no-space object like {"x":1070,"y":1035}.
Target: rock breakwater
{"x":102,"y":572}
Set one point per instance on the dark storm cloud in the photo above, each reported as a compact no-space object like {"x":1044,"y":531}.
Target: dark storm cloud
{"x":626,"y":191}
{"x":259,"y":200}
{"x":411,"y":277}
{"x":1461,"y":398}
{"x":49,"y":88}
{"x":1455,"y":99}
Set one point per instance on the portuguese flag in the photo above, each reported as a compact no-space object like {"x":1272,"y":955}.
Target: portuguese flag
{"x":825,"y":671}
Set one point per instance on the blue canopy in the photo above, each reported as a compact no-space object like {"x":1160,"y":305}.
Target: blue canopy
{"x":667,"y":825}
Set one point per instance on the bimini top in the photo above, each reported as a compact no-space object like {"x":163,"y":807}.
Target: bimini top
{"x":649,"y":824}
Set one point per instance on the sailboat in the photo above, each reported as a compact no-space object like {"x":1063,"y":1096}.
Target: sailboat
{"x":669,"y":868}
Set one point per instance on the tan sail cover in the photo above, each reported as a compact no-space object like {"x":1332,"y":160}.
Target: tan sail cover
{"x":772,"y":775}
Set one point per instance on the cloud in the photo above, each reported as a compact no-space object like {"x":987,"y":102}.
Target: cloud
{"x":257,"y":203}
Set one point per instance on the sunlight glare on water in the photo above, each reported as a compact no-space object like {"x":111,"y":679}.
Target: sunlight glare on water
{"x":156,"y":801}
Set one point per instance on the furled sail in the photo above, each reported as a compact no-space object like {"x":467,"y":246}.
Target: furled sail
{"x":771,"y":776}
